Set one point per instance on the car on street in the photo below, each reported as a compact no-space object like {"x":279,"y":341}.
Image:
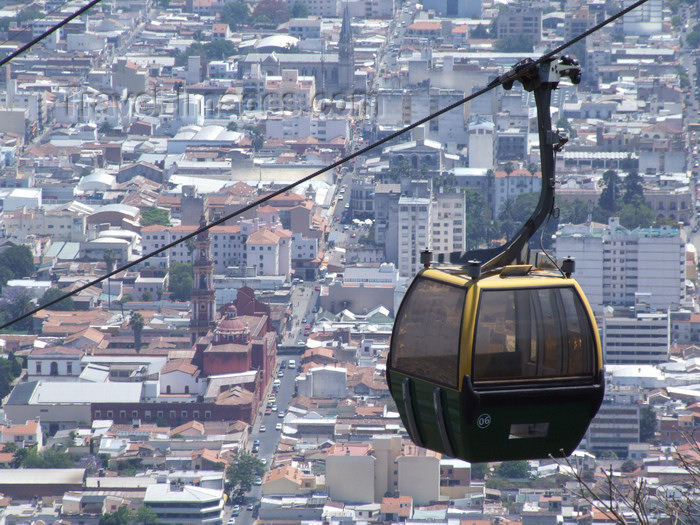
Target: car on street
{"x":258,"y":481}
{"x":231,"y":521}
{"x":280,"y":413}
{"x":236,"y":510}
{"x":250,"y":506}
{"x":352,"y":235}
{"x":318,"y":288}
{"x":280,"y":373}
{"x":301,"y":342}
{"x":262,"y":428}
{"x":278,"y":426}
{"x":283,"y":364}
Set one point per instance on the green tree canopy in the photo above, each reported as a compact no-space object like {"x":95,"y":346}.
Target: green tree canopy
{"x":15,"y":263}
{"x":611,"y":191}
{"x":137,"y":323}
{"x":514,"y":470}
{"x":47,"y":458}
{"x":300,"y":10}
{"x":515,"y":44}
{"x":574,"y":212}
{"x":636,"y":214}
{"x":180,"y":281}
{"x":479,"y":470}
{"x":647,"y":424}
{"x":480,"y":31}
{"x":216,"y":50}
{"x":275,"y":11}
{"x":155,"y":215}
{"x":235,"y":14}
{"x":478,"y":226}
{"x":28,"y":14}
{"x":632,"y":186}
{"x":53,"y":294}
{"x":242,"y":473}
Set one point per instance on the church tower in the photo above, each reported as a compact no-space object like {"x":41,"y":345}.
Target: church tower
{"x":203,"y":295}
{"x":346,"y":57}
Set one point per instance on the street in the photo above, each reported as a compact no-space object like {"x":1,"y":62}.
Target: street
{"x":268,"y":439}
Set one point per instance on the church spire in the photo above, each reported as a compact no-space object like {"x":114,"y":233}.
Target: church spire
{"x":346,"y":55}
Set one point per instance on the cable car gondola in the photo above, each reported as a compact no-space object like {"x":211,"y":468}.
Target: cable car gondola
{"x":500,"y":361}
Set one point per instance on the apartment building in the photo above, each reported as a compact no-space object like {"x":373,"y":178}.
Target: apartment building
{"x":616,"y":426}
{"x":613,"y":263}
{"x":639,"y":340}
{"x":448,"y":223}
{"x":415,"y":232}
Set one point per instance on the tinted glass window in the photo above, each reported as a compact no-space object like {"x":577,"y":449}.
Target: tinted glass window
{"x":427,"y":332}
{"x":532,"y":333}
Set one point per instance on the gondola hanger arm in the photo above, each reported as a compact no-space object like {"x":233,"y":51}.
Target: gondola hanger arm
{"x":540,"y":77}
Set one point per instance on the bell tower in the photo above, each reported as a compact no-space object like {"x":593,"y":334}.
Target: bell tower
{"x":203,"y":295}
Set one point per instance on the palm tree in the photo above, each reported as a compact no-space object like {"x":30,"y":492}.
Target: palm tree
{"x":136,"y":323}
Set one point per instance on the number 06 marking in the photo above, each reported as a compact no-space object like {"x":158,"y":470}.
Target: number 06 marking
{"x":483,"y":421}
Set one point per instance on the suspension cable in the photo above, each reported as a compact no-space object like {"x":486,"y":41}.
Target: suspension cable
{"x":510,"y":76}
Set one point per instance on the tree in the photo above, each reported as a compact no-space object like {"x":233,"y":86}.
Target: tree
{"x":514,"y":469}
{"x":632,"y":186}
{"x":257,"y":138}
{"x":574,"y":212}
{"x":19,"y":263}
{"x":636,"y":214}
{"x":628,"y":466}
{"x":145,"y":515}
{"x":54,"y":293}
{"x":242,"y":473}
{"x":231,"y":126}
{"x":515,"y":44}
{"x":105,"y":127}
{"x":478,"y":226}
{"x":647,"y":424}
{"x":28,"y":14}
{"x":479,"y":470}
{"x":7,"y":376}
{"x":480,"y":31}
{"x":155,"y":215}
{"x":120,"y":517}
{"x":235,"y":14}
{"x":18,"y":305}
{"x":275,"y":11}
{"x":47,"y":458}
{"x":300,"y":10}
{"x":137,"y":323}
{"x":180,"y":281}
{"x":611,"y":191}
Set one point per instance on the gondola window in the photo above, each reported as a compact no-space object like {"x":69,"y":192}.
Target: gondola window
{"x":532,"y":334}
{"x":427,"y":335}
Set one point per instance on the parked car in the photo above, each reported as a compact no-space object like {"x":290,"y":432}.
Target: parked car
{"x":278,"y":426}
{"x":258,"y":481}
{"x":262,"y":428}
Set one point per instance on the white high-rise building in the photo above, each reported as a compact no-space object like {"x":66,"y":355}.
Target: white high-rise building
{"x":415,"y":223}
{"x":613,"y":263}
{"x":639,"y":340}
{"x":448,"y":223}
{"x":644,"y":20}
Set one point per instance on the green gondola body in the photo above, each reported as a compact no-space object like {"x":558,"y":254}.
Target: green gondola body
{"x":532,"y":403}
